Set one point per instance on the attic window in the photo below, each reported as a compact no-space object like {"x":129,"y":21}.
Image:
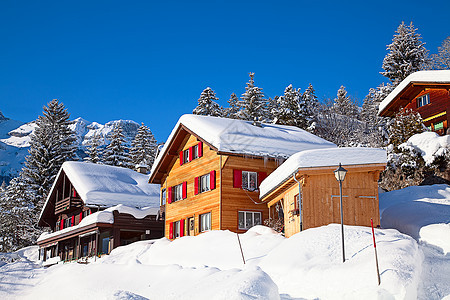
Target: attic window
{"x":423,"y":100}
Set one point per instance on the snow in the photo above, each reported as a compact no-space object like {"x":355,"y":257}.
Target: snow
{"x":429,"y":144}
{"x":321,"y":158}
{"x":105,"y":216}
{"x":241,"y":137}
{"x":105,"y":186}
{"x":434,"y":76}
{"x":20,"y":137}
{"x":209,"y":266}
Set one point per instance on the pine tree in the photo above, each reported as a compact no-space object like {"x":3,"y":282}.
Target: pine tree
{"x":231,"y":112}
{"x":308,"y":108}
{"x":286,"y":110}
{"x":253,"y":105}
{"x":405,"y":124}
{"x":407,"y":54}
{"x":207,"y":105}
{"x":441,"y":60}
{"x":144,"y":147}
{"x":51,"y":144}
{"x":18,"y":217}
{"x":343,"y":105}
{"x":116,"y":153}
{"x":94,"y":152}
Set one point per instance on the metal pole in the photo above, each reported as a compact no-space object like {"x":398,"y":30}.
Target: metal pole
{"x":342,"y":222}
{"x":376,"y":256}
{"x":242,"y":253}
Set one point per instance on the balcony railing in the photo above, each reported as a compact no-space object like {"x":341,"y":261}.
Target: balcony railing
{"x":68,"y":204}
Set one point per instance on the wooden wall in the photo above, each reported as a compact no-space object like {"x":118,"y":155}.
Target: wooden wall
{"x":193,"y":205}
{"x":320,"y":199}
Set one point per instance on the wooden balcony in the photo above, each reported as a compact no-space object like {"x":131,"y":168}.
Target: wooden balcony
{"x":68,"y":204}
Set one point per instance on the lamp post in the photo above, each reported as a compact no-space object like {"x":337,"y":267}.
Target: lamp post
{"x":339,"y":173}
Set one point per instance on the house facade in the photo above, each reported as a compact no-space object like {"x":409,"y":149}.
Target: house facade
{"x":210,"y":170}
{"x":304,"y":193}
{"x":92,"y":209}
{"x":428,"y":93}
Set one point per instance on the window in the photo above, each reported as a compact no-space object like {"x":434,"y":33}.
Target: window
{"x":58,"y":226}
{"x":205,"y":222}
{"x":195,"y":150}
{"x":204,"y":183}
{"x":177,"y":192}
{"x":423,"y":100}
{"x":186,"y":156}
{"x":176,"y":229}
{"x":439,"y":125}
{"x":86,"y":213}
{"x":248,"y":219}
{"x":163,"y":197}
{"x":249,"y":181}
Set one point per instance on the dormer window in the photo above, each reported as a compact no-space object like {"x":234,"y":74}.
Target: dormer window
{"x":423,"y":100}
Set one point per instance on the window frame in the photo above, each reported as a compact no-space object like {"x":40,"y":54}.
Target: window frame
{"x":201,"y":187}
{"x":201,"y":219}
{"x":176,"y":229}
{"x":185,"y":156}
{"x":195,"y":152}
{"x":162,"y":201}
{"x":177,"y":190}
{"x":244,"y":213}
{"x":421,"y":102}
{"x":248,"y":174}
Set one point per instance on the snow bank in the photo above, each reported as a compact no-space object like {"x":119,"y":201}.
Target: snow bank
{"x":441,"y":76}
{"x":429,"y":144}
{"x":321,"y":158}
{"x":309,"y":264}
{"x":241,"y":137}
{"x":419,"y":211}
{"x":105,"y":216}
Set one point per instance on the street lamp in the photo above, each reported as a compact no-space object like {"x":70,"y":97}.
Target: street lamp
{"x":339,"y":173}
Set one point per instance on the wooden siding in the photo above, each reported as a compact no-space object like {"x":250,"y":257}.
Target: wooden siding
{"x":320,"y":199}
{"x":237,"y":199}
{"x":193,"y":205}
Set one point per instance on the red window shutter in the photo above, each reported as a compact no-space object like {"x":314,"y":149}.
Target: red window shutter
{"x":196,"y":185}
{"x":74,"y":193}
{"x":200,"y":149}
{"x":184,"y":190}
{"x":72,"y":223}
{"x":61,"y":225}
{"x":261,"y":177}
{"x":191,"y":153}
{"x":237,"y":178}
{"x":181,"y":227}
{"x":171,"y":230}
{"x":169,"y":195}
{"x":212,"y":179}
{"x":181,"y":158}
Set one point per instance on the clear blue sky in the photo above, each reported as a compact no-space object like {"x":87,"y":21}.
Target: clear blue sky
{"x":149,"y":61}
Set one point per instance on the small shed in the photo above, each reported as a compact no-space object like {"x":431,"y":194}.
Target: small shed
{"x":303,"y":192}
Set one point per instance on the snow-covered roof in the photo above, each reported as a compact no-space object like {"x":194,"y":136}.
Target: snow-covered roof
{"x":242,"y":137}
{"x":106,"y":186}
{"x":321,"y":158}
{"x":434,"y":76}
{"x":104,"y":216}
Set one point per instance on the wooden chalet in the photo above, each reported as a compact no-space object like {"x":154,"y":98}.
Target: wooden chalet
{"x":92,"y":209}
{"x":210,"y":169}
{"x":427,"y":92}
{"x":304,"y":193}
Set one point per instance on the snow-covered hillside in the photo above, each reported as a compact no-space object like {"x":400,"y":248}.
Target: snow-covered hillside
{"x":15,"y":140}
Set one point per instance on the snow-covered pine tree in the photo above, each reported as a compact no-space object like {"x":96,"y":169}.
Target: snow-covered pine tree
{"x":441,"y":60}
{"x":207,"y":105}
{"x":51,"y":144}
{"x":3,"y":187}
{"x":343,"y":105}
{"x":116,"y":153}
{"x":18,"y":217}
{"x":232,"y":110}
{"x":253,"y":105}
{"x":407,"y":54}
{"x":286,"y":110}
{"x":308,"y":108}
{"x":271,"y":109}
{"x":144,"y":147}
{"x":405,"y":124}
{"x":93,"y":151}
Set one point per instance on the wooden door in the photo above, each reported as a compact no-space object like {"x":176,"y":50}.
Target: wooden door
{"x":191,"y":226}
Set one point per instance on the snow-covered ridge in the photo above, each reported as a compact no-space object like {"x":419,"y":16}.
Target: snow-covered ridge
{"x":428,"y":76}
{"x":321,"y":158}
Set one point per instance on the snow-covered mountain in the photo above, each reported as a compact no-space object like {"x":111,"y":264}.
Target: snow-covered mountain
{"x":15,"y":140}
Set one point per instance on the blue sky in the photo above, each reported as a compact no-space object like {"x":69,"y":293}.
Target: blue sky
{"x":149,"y":61}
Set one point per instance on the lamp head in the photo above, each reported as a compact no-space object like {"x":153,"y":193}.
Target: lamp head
{"x":339,"y":173}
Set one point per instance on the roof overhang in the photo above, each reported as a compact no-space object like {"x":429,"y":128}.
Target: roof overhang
{"x":407,"y":94}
